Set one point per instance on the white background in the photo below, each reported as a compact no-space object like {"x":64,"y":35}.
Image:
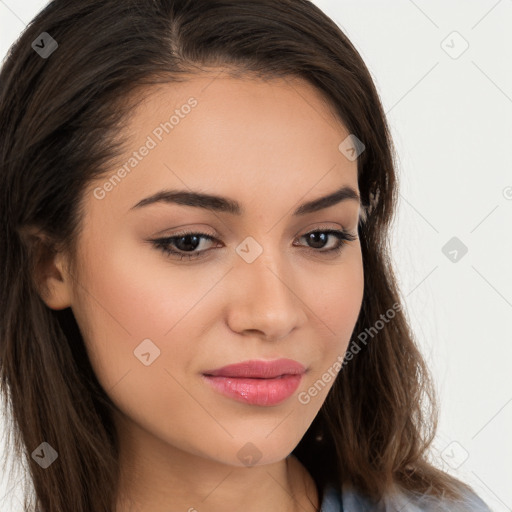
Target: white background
{"x":451,"y":120}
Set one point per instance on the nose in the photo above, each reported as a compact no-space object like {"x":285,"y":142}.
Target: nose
{"x":266,"y":298}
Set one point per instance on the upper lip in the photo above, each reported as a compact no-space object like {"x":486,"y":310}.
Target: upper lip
{"x":259,"y":369}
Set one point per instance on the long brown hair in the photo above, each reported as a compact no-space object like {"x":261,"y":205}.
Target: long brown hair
{"x":60,"y":116}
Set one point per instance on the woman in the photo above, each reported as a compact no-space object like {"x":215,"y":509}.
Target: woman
{"x":145,"y":373}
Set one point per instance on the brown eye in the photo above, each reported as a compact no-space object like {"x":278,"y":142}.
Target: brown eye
{"x":185,"y":244}
{"x":318,"y":239}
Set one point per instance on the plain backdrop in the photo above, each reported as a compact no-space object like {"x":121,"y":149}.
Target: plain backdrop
{"x":444,"y":74}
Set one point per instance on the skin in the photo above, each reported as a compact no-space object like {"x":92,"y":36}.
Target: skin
{"x":271,"y":145}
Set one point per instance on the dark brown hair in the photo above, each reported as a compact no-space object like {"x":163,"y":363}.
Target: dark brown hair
{"x":60,"y":118}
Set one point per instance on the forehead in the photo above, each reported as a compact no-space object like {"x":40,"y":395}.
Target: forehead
{"x":240,"y":137}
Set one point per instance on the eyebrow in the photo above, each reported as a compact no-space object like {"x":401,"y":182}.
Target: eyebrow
{"x":227,"y":205}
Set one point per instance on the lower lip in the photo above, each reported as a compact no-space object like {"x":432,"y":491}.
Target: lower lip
{"x":256,"y":391}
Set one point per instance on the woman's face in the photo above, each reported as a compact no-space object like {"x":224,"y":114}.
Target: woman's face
{"x":260,"y":289}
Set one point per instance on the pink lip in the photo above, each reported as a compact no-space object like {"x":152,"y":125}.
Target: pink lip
{"x":257,"y":382}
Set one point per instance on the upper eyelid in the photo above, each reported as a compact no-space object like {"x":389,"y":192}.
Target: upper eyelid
{"x":322,"y":226}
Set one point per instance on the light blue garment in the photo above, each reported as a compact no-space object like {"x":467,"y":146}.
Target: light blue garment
{"x":332,"y":501}
{"x":352,"y":501}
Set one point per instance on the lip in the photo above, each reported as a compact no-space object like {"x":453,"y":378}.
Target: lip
{"x":257,"y":382}
{"x":259,"y":369}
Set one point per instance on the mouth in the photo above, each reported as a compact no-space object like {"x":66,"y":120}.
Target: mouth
{"x":257,"y":382}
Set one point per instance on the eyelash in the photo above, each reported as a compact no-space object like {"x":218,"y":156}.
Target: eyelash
{"x":164,"y":243}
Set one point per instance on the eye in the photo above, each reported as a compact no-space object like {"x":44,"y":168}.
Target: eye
{"x":184,"y":245}
{"x":319,"y":236}
{"x":185,"y":242}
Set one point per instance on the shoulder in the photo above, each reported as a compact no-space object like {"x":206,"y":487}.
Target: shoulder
{"x":349,"y":499}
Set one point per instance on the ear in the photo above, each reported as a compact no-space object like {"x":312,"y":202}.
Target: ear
{"x":54,"y":282}
{"x":50,"y":272}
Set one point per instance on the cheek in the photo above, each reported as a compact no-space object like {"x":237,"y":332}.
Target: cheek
{"x":128,"y":303}
{"x":129,"y":295}
{"x":143,"y":293}
{"x":122,"y":301}
{"x":336,"y":307}
{"x":339,"y":298}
